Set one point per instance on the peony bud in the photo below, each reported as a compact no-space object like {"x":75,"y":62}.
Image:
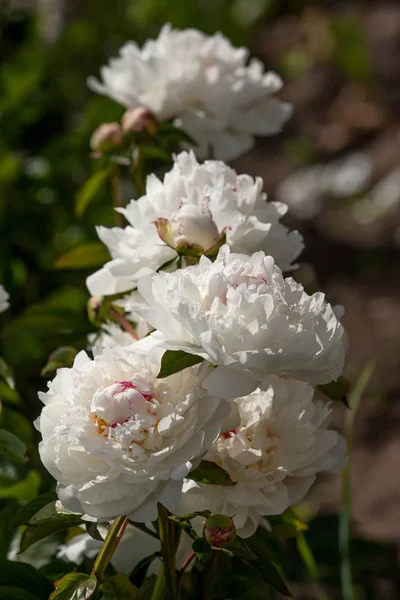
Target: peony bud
{"x":139,"y":120}
{"x":191,"y":231}
{"x":97,"y":309}
{"x":219,"y":531}
{"x":106,"y":137}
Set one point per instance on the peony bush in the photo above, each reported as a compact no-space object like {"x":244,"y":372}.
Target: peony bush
{"x":192,"y":418}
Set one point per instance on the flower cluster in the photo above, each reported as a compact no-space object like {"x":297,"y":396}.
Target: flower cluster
{"x":201,"y":82}
{"x":219,"y":352}
{"x":192,"y":212}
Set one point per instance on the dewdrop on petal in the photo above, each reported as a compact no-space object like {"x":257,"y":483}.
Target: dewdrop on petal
{"x":219,"y":531}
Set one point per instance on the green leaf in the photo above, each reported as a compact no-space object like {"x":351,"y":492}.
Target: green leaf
{"x":153,"y":153}
{"x":91,"y":254}
{"x":11,"y":447}
{"x":28,"y":510}
{"x":190,"y":516}
{"x":271,"y":574}
{"x":23,"y":490}
{"x":90,"y":190}
{"x":166,"y":531}
{"x":75,"y":586}
{"x":15,"y":593}
{"x":62,"y":357}
{"x":336,"y":390}
{"x":93,"y":531}
{"x":210,"y":472}
{"x":241,"y":549}
{"x":41,"y":528}
{"x":286,"y":530}
{"x":7,"y":374}
{"x":119,"y":587}
{"x":169,"y":132}
{"x":202,"y":549}
{"x":174,"y":361}
{"x":138,"y":573}
{"x":26,"y":577}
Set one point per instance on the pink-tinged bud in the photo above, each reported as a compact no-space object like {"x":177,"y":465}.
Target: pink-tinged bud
{"x":219,"y":531}
{"x":106,"y":137}
{"x":98,"y":308}
{"x":139,"y":120}
{"x":192,"y":231}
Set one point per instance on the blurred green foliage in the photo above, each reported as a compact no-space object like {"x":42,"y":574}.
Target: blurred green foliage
{"x":47,"y":115}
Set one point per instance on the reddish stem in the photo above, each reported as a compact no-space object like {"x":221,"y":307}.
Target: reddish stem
{"x":187,"y":562}
{"x":124,"y":323}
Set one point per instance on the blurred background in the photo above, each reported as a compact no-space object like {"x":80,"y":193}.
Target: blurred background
{"x":337,"y":166}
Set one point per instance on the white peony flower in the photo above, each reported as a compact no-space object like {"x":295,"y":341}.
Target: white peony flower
{"x":109,"y":336}
{"x":4,"y":297}
{"x":118,"y":440}
{"x":240,"y":313}
{"x":194,"y":210}
{"x":202,"y":82}
{"x":272,"y":450}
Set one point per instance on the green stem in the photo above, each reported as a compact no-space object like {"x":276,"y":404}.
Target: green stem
{"x":160,"y":585}
{"x":109,"y":546}
{"x":211,"y":569}
{"x":184,"y":566}
{"x":310,"y":564}
{"x":346,"y":577}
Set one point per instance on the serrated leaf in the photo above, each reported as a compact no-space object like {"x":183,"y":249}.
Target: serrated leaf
{"x":11,"y":447}
{"x":336,"y":390}
{"x":91,"y":254}
{"x":75,"y":586}
{"x":27,"y":577}
{"x":119,"y":587}
{"x":41,"y":528}
{"x":90,"y":190}
{"x":7,"y":374}
{"x":210,"y":472}
{"x":202,"y":549}
{"x":22,"y":490}
{"x":174,"y":361}
{"x":15,"y":593}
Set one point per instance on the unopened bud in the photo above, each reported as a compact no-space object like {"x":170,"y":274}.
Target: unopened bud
{"x":95,"y":310}
{"x":191,"y":231}
{"x":219,"y":531}
{"x":106,"y":137}
{"x":139,"y":120}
